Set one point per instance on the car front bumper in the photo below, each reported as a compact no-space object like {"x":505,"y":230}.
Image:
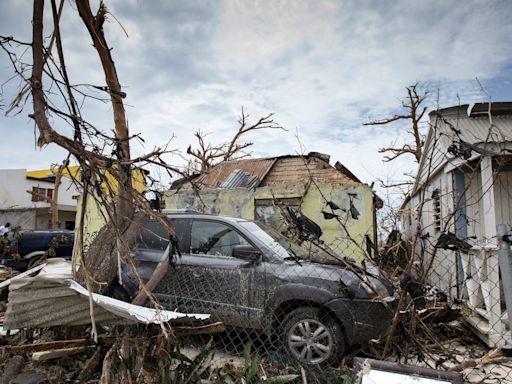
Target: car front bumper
{"x":364,"y":319}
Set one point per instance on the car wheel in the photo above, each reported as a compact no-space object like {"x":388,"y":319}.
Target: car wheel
{"x":313,"y":336}
{"x":35,"y":261}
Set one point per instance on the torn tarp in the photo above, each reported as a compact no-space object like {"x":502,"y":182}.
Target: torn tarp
{"x":52,"y":298}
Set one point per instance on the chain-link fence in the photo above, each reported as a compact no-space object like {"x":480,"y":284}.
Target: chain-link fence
{"x":301,"y":303}
{"x":293,"y":298}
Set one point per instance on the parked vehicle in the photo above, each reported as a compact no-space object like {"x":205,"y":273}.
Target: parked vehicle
{"x":251,"y":277}
{"x":28,"y":248}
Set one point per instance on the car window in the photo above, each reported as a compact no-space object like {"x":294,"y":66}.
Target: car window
{"x":212,"y":238}
{"x":155,"y":237}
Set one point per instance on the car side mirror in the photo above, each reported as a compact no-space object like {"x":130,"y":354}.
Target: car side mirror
{"x":246,"y":252}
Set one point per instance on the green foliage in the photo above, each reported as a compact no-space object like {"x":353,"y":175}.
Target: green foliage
{"x":187,"y":371}
{"x":177,"y":368}
{"x":55,"y":242}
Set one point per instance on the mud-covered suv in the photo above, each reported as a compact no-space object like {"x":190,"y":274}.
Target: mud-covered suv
{"x":251,"y":277}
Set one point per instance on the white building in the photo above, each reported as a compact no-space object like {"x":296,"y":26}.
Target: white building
{"x":463,"y":190}
{"x":25,"y":196}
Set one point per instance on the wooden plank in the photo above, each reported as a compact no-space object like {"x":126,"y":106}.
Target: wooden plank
{"x":57,"y":353}
{"x":24,"y":274}
{"x":60,"y":344}
{"x":488,"y":199}
{"x":158,"y":274}
{"x":207,"y":329}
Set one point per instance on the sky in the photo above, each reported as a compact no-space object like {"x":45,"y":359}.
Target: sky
{"x":324,"y":68}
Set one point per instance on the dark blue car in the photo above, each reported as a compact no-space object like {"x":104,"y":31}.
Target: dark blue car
{"x":28,"y":248}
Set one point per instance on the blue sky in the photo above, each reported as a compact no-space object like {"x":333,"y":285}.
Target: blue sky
{"x":323,"y":67}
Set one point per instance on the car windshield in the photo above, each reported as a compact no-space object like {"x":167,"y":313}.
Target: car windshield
{"x":284,"y":247}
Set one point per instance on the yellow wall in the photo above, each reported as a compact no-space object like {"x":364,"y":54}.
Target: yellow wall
{"x":240,"y":203}
{"x":95,"y":214}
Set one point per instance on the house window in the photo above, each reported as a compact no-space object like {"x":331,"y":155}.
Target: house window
{"x":436,"y":202}
{"x":269,"y":211}
{"x":42,"y":194}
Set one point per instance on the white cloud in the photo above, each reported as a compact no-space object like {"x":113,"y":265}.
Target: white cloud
{"x":323,"y":67}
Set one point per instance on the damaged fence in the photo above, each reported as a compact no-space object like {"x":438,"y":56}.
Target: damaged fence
{"x":312,"y":306}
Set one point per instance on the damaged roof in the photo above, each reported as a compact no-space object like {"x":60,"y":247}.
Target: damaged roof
{"x":218,"y":174}
{"x":273,"y":171}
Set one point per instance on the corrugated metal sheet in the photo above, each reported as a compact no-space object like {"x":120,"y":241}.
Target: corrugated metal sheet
{"x":455,"y":126}
{"x":477,"y":130}
{"x":52,"y":299}
{"x":214,"y":177}
{"x":240,"y":179}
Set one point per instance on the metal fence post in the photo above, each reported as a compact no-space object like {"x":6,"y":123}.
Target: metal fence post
{"x":506,"y":269}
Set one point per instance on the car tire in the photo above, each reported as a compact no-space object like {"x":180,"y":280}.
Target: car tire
{"x":312,"y":336}
{"x":35,"y":261}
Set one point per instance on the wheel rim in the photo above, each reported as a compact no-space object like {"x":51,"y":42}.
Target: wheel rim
{"x":311,"y":341}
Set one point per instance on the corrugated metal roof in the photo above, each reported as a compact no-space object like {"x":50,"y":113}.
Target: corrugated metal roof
{"x":239,"y":178}
{"x":215,"y":176}
{"x":52,"y":299}
{"x":451,"y":126}
{"x":283,"y":170}
{"x":475,"y":130}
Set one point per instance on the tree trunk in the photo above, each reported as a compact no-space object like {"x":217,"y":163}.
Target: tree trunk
{"x":101,"y":259}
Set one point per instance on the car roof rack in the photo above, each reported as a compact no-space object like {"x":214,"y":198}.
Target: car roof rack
{"x":175,"y":211}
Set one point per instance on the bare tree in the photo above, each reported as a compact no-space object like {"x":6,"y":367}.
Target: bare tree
{"x":207,"y":154}
{"x":103,"y":154}
{"x":104,"y":157}
{"x":414,"y":112}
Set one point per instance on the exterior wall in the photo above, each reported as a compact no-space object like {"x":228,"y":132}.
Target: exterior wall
{"x":503,"y":196}
{"x":13,"y":190}
{"x":17,"y":207}
{"x":94,"y":219}
{"x":25,"y":218}
{"x":14,"y":184}
{"x":241,"y":203}
{"x":442,"y":264}
{"x":95,"y":216}
{"x":471,"y":226}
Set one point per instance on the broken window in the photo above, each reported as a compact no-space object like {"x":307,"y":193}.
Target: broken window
{"x":269,"y":211}
{"x":41,"y":194}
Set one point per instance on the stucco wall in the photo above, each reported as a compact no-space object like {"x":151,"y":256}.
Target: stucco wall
{"x":346,"y":238}
{"x":14,"y":184}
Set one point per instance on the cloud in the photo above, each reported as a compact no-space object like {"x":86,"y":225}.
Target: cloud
{"x":323,"y":67}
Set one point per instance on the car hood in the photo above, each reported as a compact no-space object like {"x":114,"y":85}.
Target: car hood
{"x":336,"y":279}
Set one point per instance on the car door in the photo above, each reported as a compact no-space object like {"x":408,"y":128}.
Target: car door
{"x":209,"y":279}
{"x":151,"y":245}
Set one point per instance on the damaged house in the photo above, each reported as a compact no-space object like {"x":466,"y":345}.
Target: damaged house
{"x":461,"y":194}
{"x":263,"y":189}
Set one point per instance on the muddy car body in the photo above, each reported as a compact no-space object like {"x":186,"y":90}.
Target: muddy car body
{"x":249,"y":277}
